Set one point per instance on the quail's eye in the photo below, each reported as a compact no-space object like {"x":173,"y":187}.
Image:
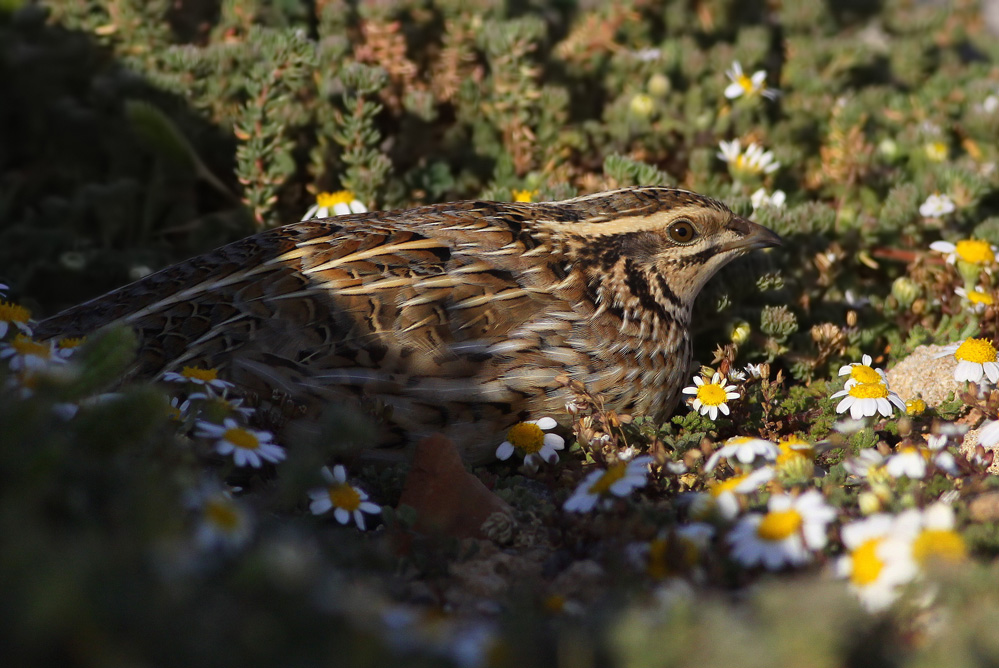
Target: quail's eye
{"x":682,"y":232}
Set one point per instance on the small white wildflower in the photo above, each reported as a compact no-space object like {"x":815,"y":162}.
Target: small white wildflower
{"x":206,"y":378}
{"x":711,"y":397}
{"x":744,"y":85}
{"x":619,"y":479}
{"x":346,"y":500}
{"x":862,"y":372}
{"x":340,"y":203}
{"x":787,"y":534}
{"x":937,"y":206}
{"x":529,"y":437}
{"x":866,"y":399}
{"x":247,"y":446}
{"x":745,"y":449}
{"x":975,"y":358}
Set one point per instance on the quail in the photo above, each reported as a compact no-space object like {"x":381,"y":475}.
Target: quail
{"x":460,"y":318}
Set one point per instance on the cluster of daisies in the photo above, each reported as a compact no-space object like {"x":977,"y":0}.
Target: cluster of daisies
{"x":203,"y":407}
{"x":221,"y":420}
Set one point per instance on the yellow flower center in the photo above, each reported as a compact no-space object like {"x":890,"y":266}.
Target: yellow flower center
{"x":778,"y":525}
{"x":866,"y":563}
{"x":526,"y":437}
{"x":345,"y":496}
{"x":71,"y":342}
{"x":915,"y":407}
{"x":610,"y":476}
{"x":975,"y":251}
{"x":204,"y":375}
{"x":11,"y":312}
{"x":720,"y":487}
{"x":222,"y":514}
{"x":524,"y":195}
{"x":913,"y":450}
{"x":745,"y":82}
{"x":869,"y":391}
{"x":943,"y":544}
{"x":792,"y":448}
{"x":329,"y":200}
{"x":978,"y":297}
{"x":241,"y":438}
{"x":936,"y":151}
{"x":712,"y":394}
{"x":28,"y":347}
{"x":978,"y":351}
{"x":864,"y":374}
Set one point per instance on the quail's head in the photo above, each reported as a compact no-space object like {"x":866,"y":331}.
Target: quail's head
{"x":657,"y":247}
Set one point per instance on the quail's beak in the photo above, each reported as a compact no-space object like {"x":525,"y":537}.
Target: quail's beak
{"x":750,"y":236}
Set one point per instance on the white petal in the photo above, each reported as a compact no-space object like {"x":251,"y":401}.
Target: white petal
{"x":505,"y":450}
{"x":734,"y":90}
{"x":321,"y":505}
{"x":544,"y":423}
{"x":554,"y":441}
{"x":342,"y":515}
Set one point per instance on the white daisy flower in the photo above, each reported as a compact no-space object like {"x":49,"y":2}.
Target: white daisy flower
{"x":619,"y":479}
{"x":14,"y":315}
{"x":346,"y":500}
{"x":25,"y":354}
{"x":908,"y":461}
{"x":865,"y":464}
{"x":529,"y":437}
{"x":201,"y":377}
{"x":933,"y":534}
{"x":66,"y":346}
{"x":862,"y":372}
{"x":878,"y":561}
{"x":912,"y":461}
{"x":936,"y":206}
{"x":247,"y":446}
{"x":340,"y":203}
{"x":975,"y":358}
{"x":711,"y":397}
{"x":179,"y":408}
{"x":755,"y":370}
{"x":760,"y":199}
{"x":971,"y":251}
{"x":224,"y":523}
{"x":866,"y":399}
{"x":977,"y":299}
{"x":725,"y":494}
{"x":746,"y":449}
{"x":743,"y":85}
{"x":753,"y":161}
{"x":790,"y":530}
